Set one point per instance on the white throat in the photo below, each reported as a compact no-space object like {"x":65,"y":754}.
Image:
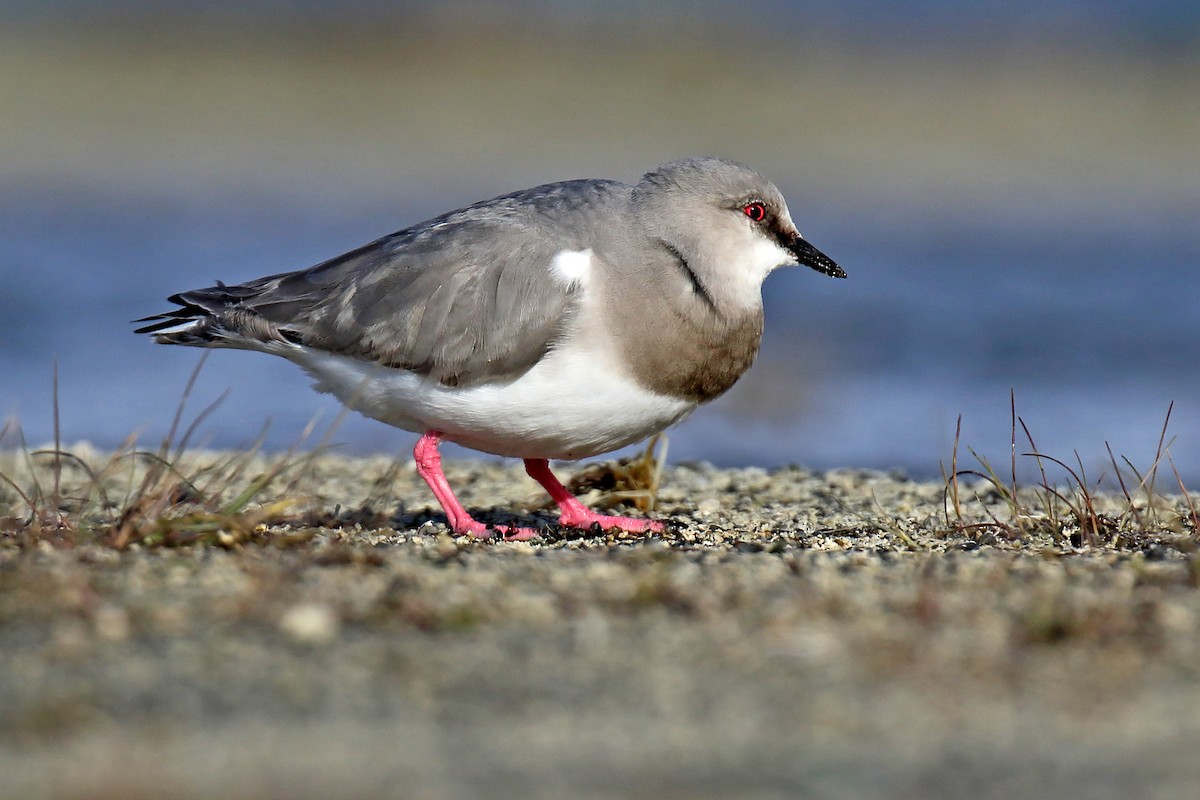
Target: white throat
{"x":742,"y":267}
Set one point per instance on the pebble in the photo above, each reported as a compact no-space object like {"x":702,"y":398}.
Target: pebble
{"x":310,"y":623}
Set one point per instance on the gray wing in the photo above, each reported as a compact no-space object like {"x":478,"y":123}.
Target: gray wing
{"x":464,"y":299}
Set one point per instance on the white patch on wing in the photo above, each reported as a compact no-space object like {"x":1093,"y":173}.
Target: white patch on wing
{"x":572,"y":266}
{"x":576,"y":402}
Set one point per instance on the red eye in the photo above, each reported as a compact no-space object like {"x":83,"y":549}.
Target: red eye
{"x":757,"y":212}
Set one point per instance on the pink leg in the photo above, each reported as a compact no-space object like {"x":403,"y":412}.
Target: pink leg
{"x":574,"y":513}
{"x":429,"y":467}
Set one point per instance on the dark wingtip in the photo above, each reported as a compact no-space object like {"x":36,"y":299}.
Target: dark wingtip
{"x":168,"y":319}
{"x":188,"y":312}
{"x":154,"y":328}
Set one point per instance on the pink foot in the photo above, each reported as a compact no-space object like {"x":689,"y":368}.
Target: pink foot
{"x":583,"y":517}
{"x":574,"y":513}
{"x":429,"y":467}
{"x":509,"y":533}
{"x":512,"y":534}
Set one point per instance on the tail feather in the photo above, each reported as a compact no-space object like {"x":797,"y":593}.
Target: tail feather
{"x":212,"y":316}
{"x":170,"y":319}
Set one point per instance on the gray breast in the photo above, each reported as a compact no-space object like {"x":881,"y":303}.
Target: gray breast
{"x":675,"y":338}
{"x":681,"y":359}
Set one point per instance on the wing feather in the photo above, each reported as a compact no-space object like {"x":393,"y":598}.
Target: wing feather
{"x":464,"y":299}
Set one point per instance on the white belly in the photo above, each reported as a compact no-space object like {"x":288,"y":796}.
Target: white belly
{"x":570,"y":405}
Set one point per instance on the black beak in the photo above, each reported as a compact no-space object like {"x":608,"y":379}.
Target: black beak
{"x":810,"y":256}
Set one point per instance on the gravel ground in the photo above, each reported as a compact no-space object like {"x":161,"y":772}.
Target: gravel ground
{"x":794,"y":634}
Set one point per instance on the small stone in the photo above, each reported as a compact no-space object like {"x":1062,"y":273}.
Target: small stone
{"x":310,"y":623}
{"x":111,"y":623}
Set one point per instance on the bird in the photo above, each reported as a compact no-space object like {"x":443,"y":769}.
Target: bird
{"x":558,"y":322}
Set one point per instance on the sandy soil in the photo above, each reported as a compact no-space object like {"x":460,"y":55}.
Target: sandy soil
{"x":794,"y":634}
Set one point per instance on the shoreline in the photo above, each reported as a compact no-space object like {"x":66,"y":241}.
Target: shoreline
{"x":792,"y":632}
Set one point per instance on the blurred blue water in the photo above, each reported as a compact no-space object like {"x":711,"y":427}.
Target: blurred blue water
{"x":1075,"y":291}
{"x":1139,"y":23}
{"x":1088,"y":314}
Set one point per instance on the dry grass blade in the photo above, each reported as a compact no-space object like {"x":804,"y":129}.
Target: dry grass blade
{"x":1146,"y":482}
{"x":323,"y":446}
{"x":1132,"y":512}
{"x":95,"y":484}
{"x":35,"y":493}
{"x":149,"y":494}
{"x":1082,"y":506}
{"x":1159,"y":450}
{"x":1006,"y":492}
{"x":179,"y":408}
{"x":1193,"y":517}
{"x":1012,"y":408}
{"x":950,"y":495}
{"x":56,"y":497}
{"x":194,"y":507}
{"x":893,"y":525}
{"x":1049,"y":507}
{"x":29,"y":501}
{"x":1077,"y":505}
{"x":173,"y":505}
{"x":45,"y":509}
{"x":629,"y":481}
{"x":204,"y":414}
